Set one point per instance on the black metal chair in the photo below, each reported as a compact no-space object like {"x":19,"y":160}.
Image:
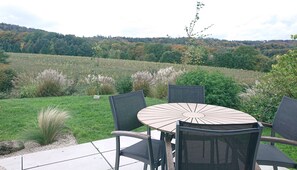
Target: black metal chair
{"x":284,"y":124}
{"x":186,"y":94}
{"x":124,"y":109}
{"x":216,"y":147}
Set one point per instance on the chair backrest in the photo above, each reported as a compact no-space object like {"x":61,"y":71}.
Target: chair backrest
{"x":286,"y":118}
{"x":217,"y":147}
{"x":186,"y":94}
{"x":125,"y":107}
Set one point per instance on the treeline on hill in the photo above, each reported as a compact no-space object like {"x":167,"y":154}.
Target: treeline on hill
{"x":250,"y":55}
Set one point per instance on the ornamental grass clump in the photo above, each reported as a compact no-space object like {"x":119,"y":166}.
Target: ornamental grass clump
{"x":51,"y":122}
{"x":98,"y":84}
{"x":162,"y":78}
{"x":142,"y":81}
{"x":52,"y":83}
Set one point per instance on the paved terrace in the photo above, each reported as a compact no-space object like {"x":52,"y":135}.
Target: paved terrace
{"x":96,"y":155}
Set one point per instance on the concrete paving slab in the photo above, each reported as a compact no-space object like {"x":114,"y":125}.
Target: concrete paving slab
{"x":106,"y":145}
{"x":133,"y":166}
{"x":110,"y":157}
{"x":57,"y":155}
{"x":11,"y":163}
{"x":264,"y":167}
{"x":93,"y":162}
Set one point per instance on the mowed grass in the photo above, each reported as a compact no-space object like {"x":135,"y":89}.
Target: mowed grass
{"x":90,"y":119}
{"x":80,"y":67}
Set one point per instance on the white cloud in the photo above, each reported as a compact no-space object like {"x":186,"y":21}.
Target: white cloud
{"x":232,"y":19}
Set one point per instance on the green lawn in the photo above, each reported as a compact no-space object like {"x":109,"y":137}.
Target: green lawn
{"x":90,"y":119}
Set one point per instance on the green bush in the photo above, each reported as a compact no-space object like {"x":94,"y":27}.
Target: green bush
{"x":219,"y":89}
{"x":50,"y":124}
{"x":24,"y":85}
{"x":262,"y":100}
{"x":124,"y":85}
{"x":28,"y":91}
{"x":6,"y":77}
{"x":3,"y":57}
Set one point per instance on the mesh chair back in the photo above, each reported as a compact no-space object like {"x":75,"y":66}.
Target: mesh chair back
{"x":285,"y":119}
{"x":125,"y":108}
{"x":186,"y":94}
{"x":216,"y":147}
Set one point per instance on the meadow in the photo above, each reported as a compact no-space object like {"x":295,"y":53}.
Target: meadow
{"x":80,"y":67}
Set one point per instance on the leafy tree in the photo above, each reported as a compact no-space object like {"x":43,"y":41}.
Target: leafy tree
{"x":242,"y":57}
{"x":156,"y":50}
{"x":171,"y":57}
{"x":193,"y":54}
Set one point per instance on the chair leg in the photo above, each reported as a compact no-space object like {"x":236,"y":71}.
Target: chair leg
{"x":117,"y":162}
{"x":275,"y":167}
{"x":145,"y":167}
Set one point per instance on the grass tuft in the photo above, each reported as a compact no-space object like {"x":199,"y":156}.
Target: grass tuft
{"x":50,"y":124}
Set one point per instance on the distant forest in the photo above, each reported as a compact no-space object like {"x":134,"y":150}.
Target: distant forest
{"x":250,"y":55}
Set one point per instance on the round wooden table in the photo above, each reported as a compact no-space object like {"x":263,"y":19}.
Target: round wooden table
{"x":163,"y":117}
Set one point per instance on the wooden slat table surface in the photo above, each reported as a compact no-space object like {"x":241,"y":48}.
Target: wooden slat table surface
{"x":163,"y":117}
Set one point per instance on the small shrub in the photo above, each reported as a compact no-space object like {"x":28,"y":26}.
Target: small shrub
{"x":52,"y":83}
{"x":260,"y":105}
{"x":3,"y":57}
{"x":25,"y":85}
{"x":124,"y":85}
{"x":142,"y":81}
{"x":28,"y":91}
{"x":6,"y":77}
{"x":50,"y":124}
{"x":219,"y":89}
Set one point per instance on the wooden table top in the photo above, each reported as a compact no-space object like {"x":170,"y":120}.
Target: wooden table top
{"x":164,"y":116}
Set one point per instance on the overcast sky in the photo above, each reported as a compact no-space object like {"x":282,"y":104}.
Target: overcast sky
{"x":232,"y":19}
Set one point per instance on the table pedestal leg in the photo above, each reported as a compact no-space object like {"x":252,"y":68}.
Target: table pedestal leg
{"x":168,"y":138}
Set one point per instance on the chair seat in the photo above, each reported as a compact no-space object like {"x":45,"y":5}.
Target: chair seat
{"x":139,"y":151}
{"x":270,"y":155}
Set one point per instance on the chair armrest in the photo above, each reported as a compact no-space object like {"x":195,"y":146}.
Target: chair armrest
{"x":266,"y":124}
{"x":130,"y":134}
{"x":278,"y":140}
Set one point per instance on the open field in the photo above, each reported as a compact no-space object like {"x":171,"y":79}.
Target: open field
{"x":79,"y":67}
